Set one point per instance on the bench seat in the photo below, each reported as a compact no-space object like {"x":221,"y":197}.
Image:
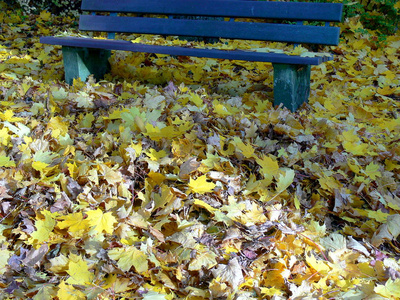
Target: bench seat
{"x":246,"y":55}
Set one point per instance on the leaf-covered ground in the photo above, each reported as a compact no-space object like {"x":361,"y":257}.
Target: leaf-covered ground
{"x":176,"y":178}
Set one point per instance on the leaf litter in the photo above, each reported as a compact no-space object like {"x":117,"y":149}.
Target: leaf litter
{"x":176,"y":178}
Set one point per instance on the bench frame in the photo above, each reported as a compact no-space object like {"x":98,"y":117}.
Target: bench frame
{"x":292,"y":74}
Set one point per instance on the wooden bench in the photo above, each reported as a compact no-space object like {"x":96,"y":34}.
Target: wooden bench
{"x":280,"y":22}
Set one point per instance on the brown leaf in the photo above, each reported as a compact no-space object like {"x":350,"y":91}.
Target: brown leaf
{"x":188,"y":167}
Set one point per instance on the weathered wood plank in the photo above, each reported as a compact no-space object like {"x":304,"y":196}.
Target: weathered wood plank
{"x":213,"y":28}
{"x":329,"y":12}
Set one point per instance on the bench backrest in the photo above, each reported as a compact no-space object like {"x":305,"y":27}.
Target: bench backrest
{"x":148,"y":20}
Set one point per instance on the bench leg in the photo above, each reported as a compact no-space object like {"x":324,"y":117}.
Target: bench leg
{"x":291,"y":85}
{"x":82,"y":62}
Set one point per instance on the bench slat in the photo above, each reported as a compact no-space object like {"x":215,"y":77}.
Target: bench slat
{"x":213,"y":28}
{"x":329,"y":12}
{"x":210,"y":53}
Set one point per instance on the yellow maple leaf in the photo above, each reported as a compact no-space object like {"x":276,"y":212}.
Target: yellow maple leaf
{"x":128,"y":257}
{"x":110,"y":175}
{"x":4,"y":255}
{"x":156,"y":177}
{"x":44,"y":228}
{"x":156,"y":155}
{"x":378,"y":215}
{"x":5,"y":138}
{"x":157,"y":133}
{"x":39,"y":166}
{"x":78,"y":271}
{"x":221,"y":110}
{"x":201,"y":185}
{"x":329,"y":183}
{"x":196,"y":99}
{"x":298,"y":51}
{"x":355,"y":148}
{"x":204,"y":259}
{"x":387,"y":90}
{"x":246,"y":149}
{"x":350,"y":136}
{"x":45,"y":15}
{"x":74,"y":222}
{"x":68,"y":292}
{"x":318,"y":265}
{"x":269,"y":166}
{"x":372,"y":171}
{"x":5,"y":161}
{"x":391,"y":289}
{"x":101,"y":221}
{"x":137,"y":148}
{"x":8,"y":115}
{"x":58,"y":127}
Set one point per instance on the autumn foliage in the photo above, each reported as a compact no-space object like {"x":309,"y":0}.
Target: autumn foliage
{"x":176,"y":178}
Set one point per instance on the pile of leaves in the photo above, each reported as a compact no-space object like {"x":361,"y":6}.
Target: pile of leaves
{"x":176,"y":178}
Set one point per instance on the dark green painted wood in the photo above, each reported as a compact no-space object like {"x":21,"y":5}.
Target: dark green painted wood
{"x":82,"y":62}
{"x":196,"y":38}
{"x":291,"y":85}
{"x":330,"y":12}
{"x":183,"y":51}
{"x":214,"y":28}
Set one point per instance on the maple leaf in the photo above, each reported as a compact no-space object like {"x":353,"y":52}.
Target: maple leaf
{"x":284,"y":181}
{"x":68,"y":292}
{"x":129,"y":257}
{"x":269,"y":166}
{"x":318,"y":265}
{"x":45,"y":16}
{"x":230,"y":273}
{"x":44,"y":228}
{"x":78,"y":271}
{"x":8,"y":115}
{"x":372,"y":171}
{"x":204,"y":258}
{"x":4,"y":255}
{"x":84,"y":100}
{"x":110,"y":175}
{"x":5,"y":138}
{"x":390,"y":289}
{"x":100,"y":221}
{"x":6,"y":162}
{"x":246,"y":150}
{"x":74,"y":222}
{"x":201,"y":185}
{"x":58,"y":126}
